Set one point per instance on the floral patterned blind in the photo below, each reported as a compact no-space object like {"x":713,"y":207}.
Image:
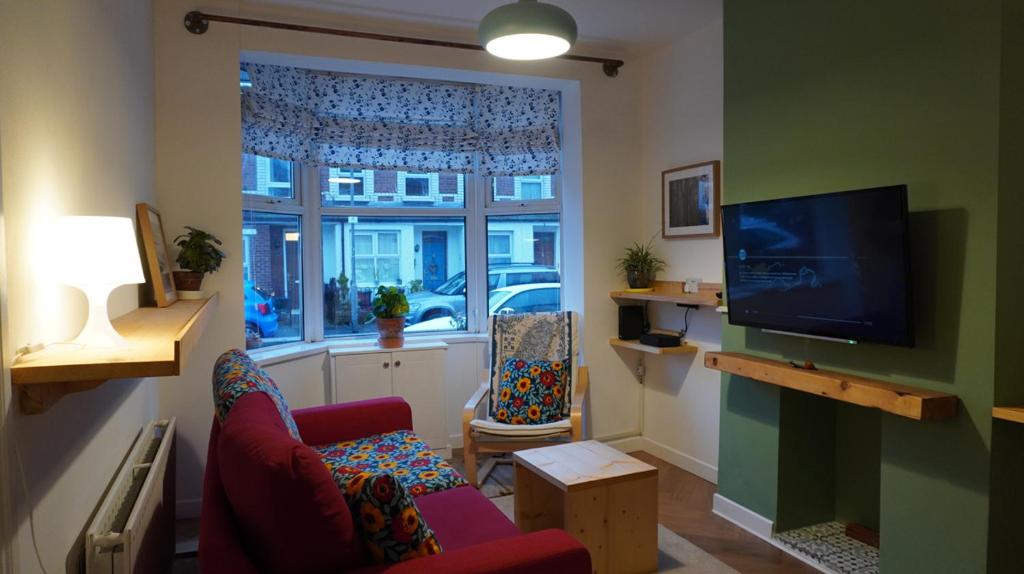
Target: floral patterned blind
{"x":367,"y":122}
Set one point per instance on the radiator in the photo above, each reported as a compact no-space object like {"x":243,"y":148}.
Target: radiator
{"x":133,"y":531}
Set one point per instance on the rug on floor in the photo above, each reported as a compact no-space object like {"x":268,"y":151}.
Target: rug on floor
{"x":500,"y":482}
{"x":676,"y":555}
{"x":828,"y":544}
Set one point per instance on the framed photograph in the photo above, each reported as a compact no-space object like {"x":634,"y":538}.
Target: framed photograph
{"x":690,"y":201}
{"x":158,"y":259}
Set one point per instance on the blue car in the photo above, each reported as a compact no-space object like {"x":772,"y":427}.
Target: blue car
{"x":260,"y":315}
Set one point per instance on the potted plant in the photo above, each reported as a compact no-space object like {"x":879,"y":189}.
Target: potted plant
{"x":389,"y":309}
{"x":640,"y":265}
{"x":199,"y":255}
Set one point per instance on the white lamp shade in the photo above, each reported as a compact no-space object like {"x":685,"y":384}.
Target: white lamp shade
{"x":96,"y":251}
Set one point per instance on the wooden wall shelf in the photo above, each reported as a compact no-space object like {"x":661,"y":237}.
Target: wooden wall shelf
{"x":910,"y":402}
{"x":159,"y":342}
{"x":672,"y":292}
{"x":684,"y":349}
{"x":1012,"y":414}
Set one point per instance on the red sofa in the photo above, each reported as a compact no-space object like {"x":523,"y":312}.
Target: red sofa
{"x":269,"y":507}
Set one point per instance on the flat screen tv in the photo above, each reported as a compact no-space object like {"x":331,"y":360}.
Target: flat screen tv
{"x":835,"y":265}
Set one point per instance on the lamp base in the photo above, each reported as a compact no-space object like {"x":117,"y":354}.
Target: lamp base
{"x":98,"y":332}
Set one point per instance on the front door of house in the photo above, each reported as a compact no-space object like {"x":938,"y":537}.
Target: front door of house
{"x":543,"y":248}
{"x":435,"y":258}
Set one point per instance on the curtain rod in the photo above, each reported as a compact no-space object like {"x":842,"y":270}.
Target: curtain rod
{"x":199,"y":22}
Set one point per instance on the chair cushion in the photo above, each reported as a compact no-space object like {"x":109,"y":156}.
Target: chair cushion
{"x":533,"y":337}
{"x":392,"y":527}
{"x":531,"y":392}
{"x":497,"y":429}
{"x":400,"y":453}
{"x":235,"y":375}
{"x":287,"y":506}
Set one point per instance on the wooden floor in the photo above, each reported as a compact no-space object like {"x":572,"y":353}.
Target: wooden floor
{"x":684,"y":506}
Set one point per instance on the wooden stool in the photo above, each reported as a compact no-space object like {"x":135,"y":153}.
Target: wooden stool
{"x":604,"y":498}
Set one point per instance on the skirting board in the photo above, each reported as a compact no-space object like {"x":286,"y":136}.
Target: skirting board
{"x":684,"y":461}
{"x":759,"y":526}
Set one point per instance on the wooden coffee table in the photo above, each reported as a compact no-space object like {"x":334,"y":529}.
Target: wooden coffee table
{"x":604,"y":498}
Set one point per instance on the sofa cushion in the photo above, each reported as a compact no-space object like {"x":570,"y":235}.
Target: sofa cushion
{"x":462,"y":517}
{"x":289,"y":510}
{"x":400,"y":453}
{"x":531,"y":392}
{"x":392,"y":528}
{"x":235,"y":375}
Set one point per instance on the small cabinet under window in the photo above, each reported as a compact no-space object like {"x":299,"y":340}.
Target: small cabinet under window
{"x":414,"y":372}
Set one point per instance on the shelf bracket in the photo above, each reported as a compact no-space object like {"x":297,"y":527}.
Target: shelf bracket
{"x":35,"y":399}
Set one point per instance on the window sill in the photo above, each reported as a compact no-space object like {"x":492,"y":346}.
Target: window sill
{"x":301,"y":350}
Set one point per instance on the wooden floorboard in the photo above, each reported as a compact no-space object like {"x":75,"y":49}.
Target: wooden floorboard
{"x":684,"y":507}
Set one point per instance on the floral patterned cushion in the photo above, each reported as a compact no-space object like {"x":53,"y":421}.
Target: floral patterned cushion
{"x":401,"y":454}
{"x":392,"y":528}
{"x":234,"y":375}
{"x":531,"y":392}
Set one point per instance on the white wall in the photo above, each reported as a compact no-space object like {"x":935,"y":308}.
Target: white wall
{"x":76,"y":106}
{"x":681,"y":103}
{"x":198,"y":181}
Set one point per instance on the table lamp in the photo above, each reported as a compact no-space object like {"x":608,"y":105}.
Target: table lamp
{"x":96,"y":255}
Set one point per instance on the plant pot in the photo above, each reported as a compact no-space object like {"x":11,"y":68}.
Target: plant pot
{"x":391,"y":332}
{"x":188,"y":280}
{"x":638,"y":279}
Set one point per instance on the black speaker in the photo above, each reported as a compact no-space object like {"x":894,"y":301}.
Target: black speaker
{"x":631,"y":322}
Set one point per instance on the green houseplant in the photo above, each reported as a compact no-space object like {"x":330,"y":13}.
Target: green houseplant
{"x":199,"y":254}
{"x":389,"y":309}
{"x":640,"y":265}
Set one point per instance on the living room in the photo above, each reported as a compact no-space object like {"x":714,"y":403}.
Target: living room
{"x":381,"y":202}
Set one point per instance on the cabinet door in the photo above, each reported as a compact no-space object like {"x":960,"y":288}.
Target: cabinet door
{"x":418,"y":377}
{"x":359,"y":377}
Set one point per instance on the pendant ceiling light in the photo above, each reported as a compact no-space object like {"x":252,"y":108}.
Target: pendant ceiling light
{"x":527,"y":30}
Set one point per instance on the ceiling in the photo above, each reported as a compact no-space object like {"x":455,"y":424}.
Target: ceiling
{"x":627,"y":26}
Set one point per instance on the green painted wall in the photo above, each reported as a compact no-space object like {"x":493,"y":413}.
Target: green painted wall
{"x":1007,"y":501}
{"x":827,"y":96}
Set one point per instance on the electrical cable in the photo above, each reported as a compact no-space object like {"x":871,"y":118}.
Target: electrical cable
{"x":24,"y":489}
{"x":686,"y":323}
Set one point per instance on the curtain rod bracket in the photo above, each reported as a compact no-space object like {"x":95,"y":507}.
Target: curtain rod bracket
{"x":198,"y":22}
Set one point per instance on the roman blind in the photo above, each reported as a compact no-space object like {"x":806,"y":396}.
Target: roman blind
{"x":369,"y":122}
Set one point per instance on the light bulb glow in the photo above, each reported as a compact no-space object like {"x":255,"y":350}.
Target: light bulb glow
{"x":347,"y":180}
{"x":528,"y":46}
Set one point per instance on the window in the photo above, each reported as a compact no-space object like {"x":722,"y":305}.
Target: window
{"x":499,"y":248}
{"x":523,"y":188}
{"x":342,"y":186}
{"x":417,"y":184}
{"x":426,"y":256}
{"x":268,"y":177}
{"x":460,"y":244}
{"x":272,"y":266}
{"x":523,"y":256}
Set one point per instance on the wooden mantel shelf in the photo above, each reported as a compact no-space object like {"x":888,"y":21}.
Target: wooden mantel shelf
{"x":672,"y":292}
{"x":159,"y":342}
{"x":905,"y":401}
{"x":1012,"y":414}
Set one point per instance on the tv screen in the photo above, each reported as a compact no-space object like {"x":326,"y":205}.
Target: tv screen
{"x":833,"y":265}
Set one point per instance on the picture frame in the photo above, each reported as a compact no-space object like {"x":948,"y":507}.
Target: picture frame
{"x":691,"y":201}
{"x":158,"y":259}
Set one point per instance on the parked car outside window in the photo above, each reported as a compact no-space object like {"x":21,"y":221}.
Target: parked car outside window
{"x":449,"y":298}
